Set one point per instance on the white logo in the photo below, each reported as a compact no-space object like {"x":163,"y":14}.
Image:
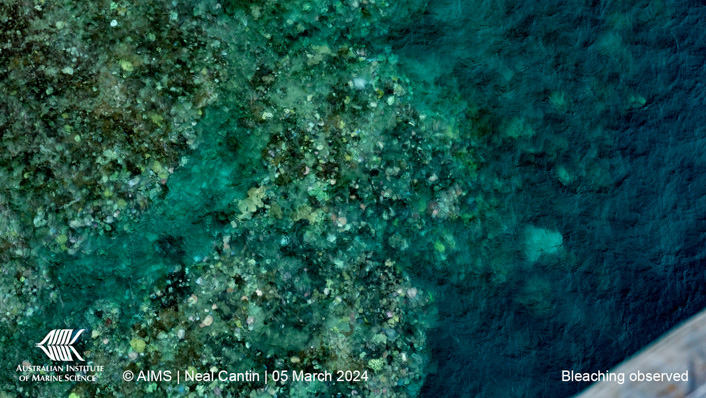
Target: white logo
{"x":60,"y":344}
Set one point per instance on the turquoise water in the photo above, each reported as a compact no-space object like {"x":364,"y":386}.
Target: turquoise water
{"x":178,"y":230}
{"x":460,"y":198}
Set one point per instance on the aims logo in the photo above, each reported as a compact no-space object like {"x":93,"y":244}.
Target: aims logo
{"x":59,"y":345}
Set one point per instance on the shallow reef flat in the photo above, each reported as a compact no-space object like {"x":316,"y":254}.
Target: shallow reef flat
{"x":206,"y":186}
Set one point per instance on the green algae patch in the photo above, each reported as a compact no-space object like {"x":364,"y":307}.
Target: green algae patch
{"x":138,"y":345}
{"x":376,"y":364}
{"x":61,"y":239}
{"x":126,"y":65}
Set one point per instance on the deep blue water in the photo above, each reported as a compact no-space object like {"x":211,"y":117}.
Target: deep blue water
{"x":632,"y":219}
